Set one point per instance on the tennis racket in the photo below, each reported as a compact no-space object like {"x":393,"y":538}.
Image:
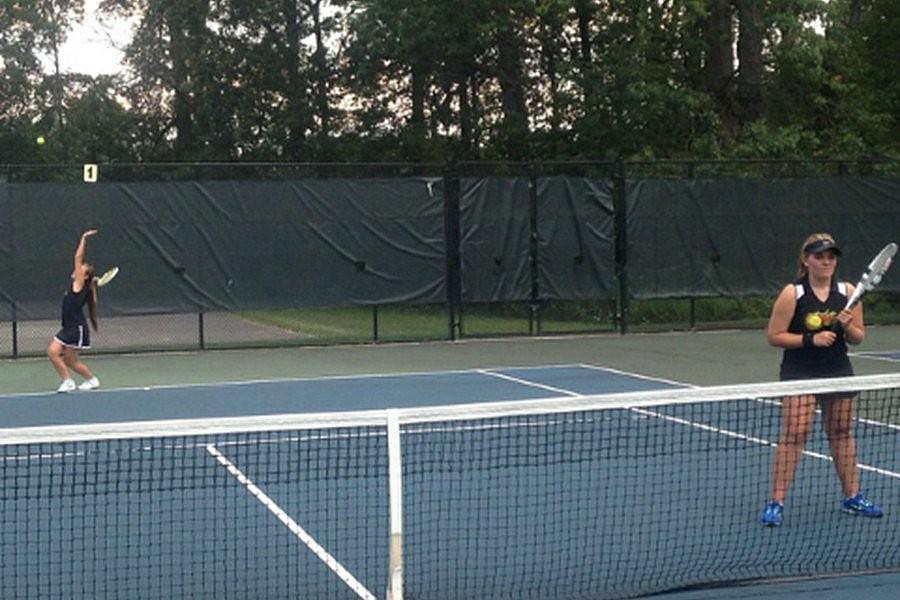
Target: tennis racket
{"x":873,"y":274}
{"x":107,"y":277}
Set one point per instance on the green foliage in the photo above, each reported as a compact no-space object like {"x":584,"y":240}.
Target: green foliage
{"x":877,"y":47}
{"x":760,"y":139}
{"x":434,"y":80}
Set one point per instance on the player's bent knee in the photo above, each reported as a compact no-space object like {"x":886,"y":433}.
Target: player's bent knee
{"x":793,"y":438}
{"x":839,"y":434}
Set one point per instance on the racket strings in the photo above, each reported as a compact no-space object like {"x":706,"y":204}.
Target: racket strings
{"x":108,"y":276}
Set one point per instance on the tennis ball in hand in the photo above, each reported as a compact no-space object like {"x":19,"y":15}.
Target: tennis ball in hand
{"x":40,"y":140}
{"x":813,"y":321}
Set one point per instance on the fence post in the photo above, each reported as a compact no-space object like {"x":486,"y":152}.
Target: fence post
{"x":374,"y":322}
{"x":15,"y":332}
{"x":201,"y":330}
{"x":620,"y":226}
{"x":534,"y":316}
{"x":10,"y":177}
{"x":452,"y":248}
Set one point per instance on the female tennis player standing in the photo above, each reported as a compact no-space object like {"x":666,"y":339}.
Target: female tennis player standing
{"x":809,"y":321}
{"x":75,"y":336}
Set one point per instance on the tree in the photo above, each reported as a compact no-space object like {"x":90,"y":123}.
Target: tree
{"x":876,"y":48}
{"x":32,"y":103}
{"x":719,"y":63}
{"x":98,"y":127}
{"x":750,"y":59}
{"x":436,"y":80}
{"x":508,"y":32}
{"x":418,"y":71}
{"x":169,"y":58}
{"x":56,"y":21}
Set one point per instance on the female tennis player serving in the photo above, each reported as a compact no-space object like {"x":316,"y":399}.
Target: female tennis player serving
{"x":810,"y":322}
{"x":75,"y":336}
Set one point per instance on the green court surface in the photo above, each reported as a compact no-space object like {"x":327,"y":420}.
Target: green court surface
{"x":698,"y":358}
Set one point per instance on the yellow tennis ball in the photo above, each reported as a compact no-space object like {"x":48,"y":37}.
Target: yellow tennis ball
{"x":813,"y":321}
{"x":41,"y":140}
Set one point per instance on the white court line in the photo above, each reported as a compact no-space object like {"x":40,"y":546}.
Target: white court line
{"x":697,"y":425}
{"x":562,"y":391}
{"x":873,"y":356}
{"x":217,"y":384}
{"x":639,"y":376}
{"x":320,"y":552}
{"x":566,"y":392}
{"x":530,"y":383}
{"x":692,"y":386}
{"x":754,"y":440}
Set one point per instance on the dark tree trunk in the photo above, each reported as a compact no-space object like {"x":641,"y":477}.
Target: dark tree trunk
{"x":719,"y":64}
{"x":750,"y":59}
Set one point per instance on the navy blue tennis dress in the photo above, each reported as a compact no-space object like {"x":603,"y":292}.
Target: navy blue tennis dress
{"x":75,"y":332}
{"x":811,"y":316}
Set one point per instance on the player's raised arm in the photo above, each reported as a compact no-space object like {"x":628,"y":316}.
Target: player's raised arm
{"x":82,"y":247}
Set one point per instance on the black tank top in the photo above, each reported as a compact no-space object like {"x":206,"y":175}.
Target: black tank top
{"x":72,"y":313}
{"x":811,"y":316}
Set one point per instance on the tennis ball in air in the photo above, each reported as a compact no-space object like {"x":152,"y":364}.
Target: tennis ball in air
{"x":40,"y":140}
{"x":813,"y":321}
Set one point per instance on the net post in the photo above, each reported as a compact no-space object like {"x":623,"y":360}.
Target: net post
{"x":15,"y":332}
{"x":395,"y":483}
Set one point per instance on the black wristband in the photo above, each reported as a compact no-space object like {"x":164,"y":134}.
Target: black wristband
{"x":808,"y":340}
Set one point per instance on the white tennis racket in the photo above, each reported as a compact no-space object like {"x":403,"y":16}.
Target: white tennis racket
{"x":873,"y":274}
{"x":107,"y":277}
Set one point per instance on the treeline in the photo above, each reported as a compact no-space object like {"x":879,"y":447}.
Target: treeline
{"x":433,"y":80}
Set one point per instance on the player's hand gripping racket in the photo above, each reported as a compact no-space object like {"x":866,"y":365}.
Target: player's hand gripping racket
{"x":873,"y":274}
{"x":107,"y":277}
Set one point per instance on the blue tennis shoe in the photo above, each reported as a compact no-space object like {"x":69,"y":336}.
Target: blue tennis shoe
{"x":862,"y":506}
{"x":772,"y":514}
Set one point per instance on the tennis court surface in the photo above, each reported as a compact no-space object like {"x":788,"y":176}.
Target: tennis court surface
{"x":564,"y":481}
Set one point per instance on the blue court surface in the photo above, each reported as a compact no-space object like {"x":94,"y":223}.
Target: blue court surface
{"x":599,"y":503}
{"x":314,"y":395}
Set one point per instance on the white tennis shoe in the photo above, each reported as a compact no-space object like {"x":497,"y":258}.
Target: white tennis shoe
{"x":89,"y":384}
{"x":68,"y":385}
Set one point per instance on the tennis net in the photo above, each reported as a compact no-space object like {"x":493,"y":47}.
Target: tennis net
{"x":587,"y":497}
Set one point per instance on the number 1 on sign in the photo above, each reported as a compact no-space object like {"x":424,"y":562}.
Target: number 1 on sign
{"x":90,"y":173}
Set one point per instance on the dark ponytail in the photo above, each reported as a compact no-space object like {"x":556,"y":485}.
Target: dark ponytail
{"x":92,"y":297}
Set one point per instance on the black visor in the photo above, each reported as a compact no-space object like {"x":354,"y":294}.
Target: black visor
{"x":821,"y":246}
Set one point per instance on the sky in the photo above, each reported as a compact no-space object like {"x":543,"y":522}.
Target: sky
{"x":94,"y":47}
